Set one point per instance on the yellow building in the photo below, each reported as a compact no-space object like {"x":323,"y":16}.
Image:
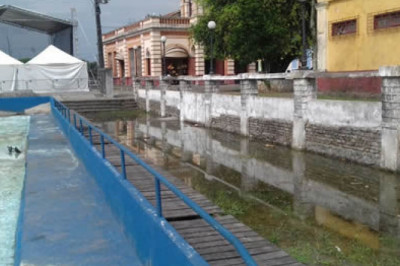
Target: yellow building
{"x":357,"y":35}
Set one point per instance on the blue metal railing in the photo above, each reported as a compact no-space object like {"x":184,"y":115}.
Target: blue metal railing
{"x":66,"y":113}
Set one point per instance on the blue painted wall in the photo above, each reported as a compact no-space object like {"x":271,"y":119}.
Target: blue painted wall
{"x":22,"y":103}
{"x":156,"y":241}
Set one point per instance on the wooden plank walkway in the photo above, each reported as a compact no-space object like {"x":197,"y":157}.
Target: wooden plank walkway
{"x":204,"y":239}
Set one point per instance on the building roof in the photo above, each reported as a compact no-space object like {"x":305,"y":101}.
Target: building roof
{"x":32,"y":20}
{"x":53,"y":56}
{"x":5,"y":59}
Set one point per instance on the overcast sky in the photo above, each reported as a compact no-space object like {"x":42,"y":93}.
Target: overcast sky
{"x":115,"y":14}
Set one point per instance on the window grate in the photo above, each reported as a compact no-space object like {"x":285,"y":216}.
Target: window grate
{"x":387,"y":20}
{"x":344,"y":27}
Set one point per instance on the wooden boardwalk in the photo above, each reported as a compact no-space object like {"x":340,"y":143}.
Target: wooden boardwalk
{"x":204,"y":239}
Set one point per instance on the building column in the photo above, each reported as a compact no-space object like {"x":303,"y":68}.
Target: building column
{"x":248,"y":89}
{"x":230,"y":67}
{"x":199,"y":63}
{"x":304,"y":92}
{"x":322,"y":35}
{"x":390,"y":152}
{"x":156,"y":54}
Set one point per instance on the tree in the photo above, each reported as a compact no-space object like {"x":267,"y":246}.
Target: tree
{"x":249,"y":30}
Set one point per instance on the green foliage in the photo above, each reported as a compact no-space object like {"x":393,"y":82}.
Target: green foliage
{"x":249,"y":30}
{"x":25,"y":59}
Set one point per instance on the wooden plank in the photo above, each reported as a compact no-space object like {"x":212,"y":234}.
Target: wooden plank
{"x":198,"y":233}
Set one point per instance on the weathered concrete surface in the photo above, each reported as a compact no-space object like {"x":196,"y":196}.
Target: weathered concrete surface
{"x":66,"y":219}
{"x":13,"y":132}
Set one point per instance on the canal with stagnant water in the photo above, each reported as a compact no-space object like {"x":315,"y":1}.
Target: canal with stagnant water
{"x":322,"y":211}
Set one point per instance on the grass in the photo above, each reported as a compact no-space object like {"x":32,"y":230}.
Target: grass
{"x":304,"y":240}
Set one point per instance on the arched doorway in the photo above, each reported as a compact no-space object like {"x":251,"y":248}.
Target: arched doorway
{"x":177,"y":60}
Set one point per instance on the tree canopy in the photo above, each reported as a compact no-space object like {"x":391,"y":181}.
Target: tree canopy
{"x":249,"y":30}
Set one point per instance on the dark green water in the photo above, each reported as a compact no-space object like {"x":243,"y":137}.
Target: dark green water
{"x":322,"y":211}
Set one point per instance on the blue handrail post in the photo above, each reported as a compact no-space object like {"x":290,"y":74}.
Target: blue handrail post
{"x":103,"y":151}
{"x":158,"y":197}
{"x":90,"y":135}
{"x":74,"y":120}
{"x":69,"y":116}
{"x":123,"y":164}
{"x":80,"y":125}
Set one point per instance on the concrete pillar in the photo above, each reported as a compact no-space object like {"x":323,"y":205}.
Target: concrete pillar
{"x":164,"y":143}
{"x":390,"y":158}
{"x":322,"y":35}
{"x":149,"y":86}
{"x":106,"y":81}
{"x":163,"y":101}
{"x":209,"y":161}
{"x":248,"y":89}
{"x":186,"y":156}
{"x":210,"y":87}
{"x":304,"y":92}
{"x":136,"y":86}
{"x":248,"y":179}
{"x":388,"y":205}
{"x":302,"y":206}
{"x":183,"y":86}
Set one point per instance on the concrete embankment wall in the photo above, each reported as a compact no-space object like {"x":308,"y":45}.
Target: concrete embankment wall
{"x":346,"y":129}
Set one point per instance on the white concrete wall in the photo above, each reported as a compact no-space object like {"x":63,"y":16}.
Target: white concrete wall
{"x":194,"y":107}
{"x":344,"y":113}
{"x":323,"y":112}
{"x":142,"y":93}
{"x":173,"y":98}
{"x":225,"y":105}
{"x":271,"y":108}
{"x":155,"y":95}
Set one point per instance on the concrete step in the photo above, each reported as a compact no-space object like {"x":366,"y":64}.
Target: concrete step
{"x":98,"y":105}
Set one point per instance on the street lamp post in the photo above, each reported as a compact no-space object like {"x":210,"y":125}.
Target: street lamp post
{"x":303,"y":34}
{"x":164,"y":65}
{"x":99,"y":32}
{"x":135,"y":61}
{"x":211,"y":26}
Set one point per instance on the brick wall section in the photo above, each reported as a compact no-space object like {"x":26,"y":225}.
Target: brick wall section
{"x":172,"y":111}
{"x":141,"y":103}
{"x":273,"y":131}
{"x":155,"y":107}
{"x":226,"y":123}
{"x":357,"y":144}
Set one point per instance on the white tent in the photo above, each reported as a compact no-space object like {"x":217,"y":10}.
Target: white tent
{"x":54,"y":71}
{"x":8,"y":72}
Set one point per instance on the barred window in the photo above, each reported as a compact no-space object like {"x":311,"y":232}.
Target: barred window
{"x":387,"y":20}
{"x":344,"y":27}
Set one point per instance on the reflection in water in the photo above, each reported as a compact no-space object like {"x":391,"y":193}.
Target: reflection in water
{"x":353,"y":200}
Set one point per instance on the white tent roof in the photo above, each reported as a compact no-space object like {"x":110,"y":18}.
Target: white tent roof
{"x":5,"y":59}
{"x":53,"y":55}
